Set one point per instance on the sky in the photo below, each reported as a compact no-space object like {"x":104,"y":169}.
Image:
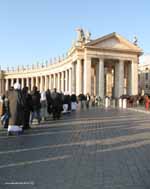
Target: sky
{"x":34,"y":31}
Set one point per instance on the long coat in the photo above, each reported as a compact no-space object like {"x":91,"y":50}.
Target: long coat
{"x":16,"y":107}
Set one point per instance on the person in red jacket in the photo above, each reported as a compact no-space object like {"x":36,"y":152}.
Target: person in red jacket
{"x":147,"y":102}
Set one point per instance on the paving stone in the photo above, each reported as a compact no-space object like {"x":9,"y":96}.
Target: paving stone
{"x":94,"y":149}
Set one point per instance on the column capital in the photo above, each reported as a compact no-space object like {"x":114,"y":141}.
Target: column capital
{"x":72,"y":64}
{"x":102,"y":58}
{"x":134,"y":61}
{"x":121,"y":61}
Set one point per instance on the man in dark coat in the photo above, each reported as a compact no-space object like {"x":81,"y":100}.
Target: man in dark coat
{"x":35,"y":95}
{"x":56,"y":104}
{"x":49,"y":101}
{"x":73,"y":102}
{"x":27,"y":107}
{"x":81,"y":99}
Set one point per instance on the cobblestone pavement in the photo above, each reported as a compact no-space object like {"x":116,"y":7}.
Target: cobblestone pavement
{"x":94,"y":149}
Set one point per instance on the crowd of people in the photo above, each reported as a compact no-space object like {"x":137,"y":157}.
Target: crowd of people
{"x":19,"y":107}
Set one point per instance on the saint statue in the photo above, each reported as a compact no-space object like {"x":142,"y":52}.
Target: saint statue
{"x":88,"y":36}
{"x":135,"y":40}
{"x":46,"y":63}
{"x":37,"y":64}
{"x":80,"y":35}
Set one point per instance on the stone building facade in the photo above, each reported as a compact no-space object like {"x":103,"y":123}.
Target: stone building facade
{"x":144,"y":75}
{"x":107,"y":66}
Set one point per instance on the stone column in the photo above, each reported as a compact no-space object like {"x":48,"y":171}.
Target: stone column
{"x":22,"y":83}
{"x":133,"y":76}
{"x":7,"y":85}
{"x":119,"y":78}
{"x":17,"y":80}
{"x":12,"y":82}
{"x":46,"y":82}
{"x":79,"y":77}
{"x":41,"y":83}
{"x":58,"y":82}
{"x":62,"y":81}
{"x":66,"y":80}
{"x":32,"y":83}
{"x":70,"y":76}
{"x":129,"y":82}
{"x":50,"y":82}
{"x":27,"y":82}
{"x":54,"y":81}
{"x":125,"y":77}
{"x":37,"y":82}
{"x":100,"y":78}
{"x":2,"y":87}
{"x":109,"y":82}
{"x":87,"y":74}
{"x":73,"y":78}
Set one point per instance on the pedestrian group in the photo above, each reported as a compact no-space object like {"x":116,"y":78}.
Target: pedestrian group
{"x":19,"y":108}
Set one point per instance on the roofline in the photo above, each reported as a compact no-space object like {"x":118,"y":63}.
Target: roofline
{"x":94,"y":41}
{"x":115,"y":49}
{"x":113,"y":34}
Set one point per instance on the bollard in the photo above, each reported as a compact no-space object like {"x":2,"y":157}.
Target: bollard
{"x":106,"y":102}
{"x":124,"y":103}
{"x":120,"y":103}
{"x":113,"y":103}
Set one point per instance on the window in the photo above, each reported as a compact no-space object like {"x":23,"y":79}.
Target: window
{"x":146,"y":76}
{"x":146,"y":86}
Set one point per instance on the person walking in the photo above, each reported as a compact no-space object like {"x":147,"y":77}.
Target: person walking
{"x":87,"y":100}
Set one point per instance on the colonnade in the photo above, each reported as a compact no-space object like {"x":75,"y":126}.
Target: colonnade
{"x":77,"y":78}
{"x":60,"y":80}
